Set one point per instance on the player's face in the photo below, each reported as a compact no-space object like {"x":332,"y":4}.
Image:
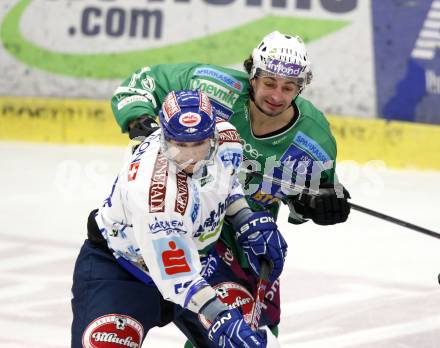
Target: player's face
{"x":187,"y":154}
{"x":273,"y":94}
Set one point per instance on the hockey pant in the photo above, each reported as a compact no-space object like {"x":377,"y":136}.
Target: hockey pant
{"x":112,"y":308}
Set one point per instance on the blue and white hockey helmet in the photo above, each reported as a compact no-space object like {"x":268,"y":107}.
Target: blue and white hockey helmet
{"x":186,"y":116}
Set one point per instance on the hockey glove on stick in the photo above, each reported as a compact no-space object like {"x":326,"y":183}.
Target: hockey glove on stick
{"x":259,"y":237}
{"x":328,"y":207}
{"x":229,"y":330}
{"x":142,"y":127}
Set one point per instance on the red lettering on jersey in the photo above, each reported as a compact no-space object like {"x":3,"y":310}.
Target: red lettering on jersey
{"x":228,"y":136}
{"x":156,"y":197}
{"x":174,"y":260}
{"x":132,"y":171}
{"x":234,"y":295}
{"x":113,"y":330}
{"x":205,"y":104}
{"x":182,"y":193}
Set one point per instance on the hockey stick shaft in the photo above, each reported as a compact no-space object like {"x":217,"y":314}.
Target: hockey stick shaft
{"x":263,"y":282}
{"x":394,"y":220}
{"x":298,"y":188}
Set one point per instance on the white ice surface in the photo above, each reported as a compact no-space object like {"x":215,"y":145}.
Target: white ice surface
{"x":365,"y":283}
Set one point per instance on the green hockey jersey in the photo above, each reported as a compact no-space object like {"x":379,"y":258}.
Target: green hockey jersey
{"x":303,"y":152}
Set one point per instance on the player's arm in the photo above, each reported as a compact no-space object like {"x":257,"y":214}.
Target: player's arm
{"x":173,"y":263}
{"x":136,"y":97}
{"x":136,"y":102}
{"x":326,"y":202}
{"x":258,"y":236}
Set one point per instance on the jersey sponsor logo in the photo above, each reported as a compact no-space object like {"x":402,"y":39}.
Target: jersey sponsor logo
{"x":228,"y":136}
{"x":310,"y":145}
{"x":173,"y":256}
{"x":206,"y":180}
{"x":148,"y":83}
{"x":174,"y":260}
{"x":167,"y":226}
{"x":234,"y":295}
{"x":205,"y":236}
{"x":231,"y":158}
{"x":170,"y":106}
{"x":143,"y":147}
{"x":157,"y":192}
{"x":189,"y":119}
{"x":220,"y":76}
{"x":282,"y":68}
{"x":180,"y":287}
{"x":137,"y":76}
{"x":196,"y":203}
{"x":221,"y":110}
{"x":297,"y":166}
{"x":132,"y":99}
{"x":182,"y":193}
{"x":297,"y":161}
{"x":211,"y":226}
{"x":263,"y":198}
{"x":209,"y":265}
{"x":132,"y":171}
{"x":250,"y":150}
{"x":121,"y":91}
{"x":113,"y":330}
{"x":215,"y":91}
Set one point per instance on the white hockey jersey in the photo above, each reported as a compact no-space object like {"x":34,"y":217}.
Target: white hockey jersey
{"x":161,"y":220}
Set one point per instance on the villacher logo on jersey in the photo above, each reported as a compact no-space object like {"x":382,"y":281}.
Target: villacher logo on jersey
{"x":113,"y":338}
{"x":112,"y":330}
{"x":233,"y":295}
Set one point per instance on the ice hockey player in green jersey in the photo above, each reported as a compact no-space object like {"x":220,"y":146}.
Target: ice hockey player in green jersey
{"x":284,"y":136}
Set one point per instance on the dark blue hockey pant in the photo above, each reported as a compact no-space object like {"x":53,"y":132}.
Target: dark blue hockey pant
{"x":102,"y":287}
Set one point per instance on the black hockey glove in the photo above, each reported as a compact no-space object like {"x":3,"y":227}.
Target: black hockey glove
{"x":328,"y":207}
{"x":142,"y":127}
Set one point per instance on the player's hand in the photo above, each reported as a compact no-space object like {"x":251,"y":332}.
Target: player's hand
{"x":142,"y":127}
{"x":330,"y":206}
{"x":260,"y":238}
{"x":229,"y":330}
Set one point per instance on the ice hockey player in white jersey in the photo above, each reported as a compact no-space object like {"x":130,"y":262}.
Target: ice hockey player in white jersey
{"x":140,"y":266}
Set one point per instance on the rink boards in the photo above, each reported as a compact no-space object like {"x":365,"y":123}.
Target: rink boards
{"x":84,"y":121}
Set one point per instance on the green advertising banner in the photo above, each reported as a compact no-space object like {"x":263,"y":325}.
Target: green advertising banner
{"x":64,"y":48}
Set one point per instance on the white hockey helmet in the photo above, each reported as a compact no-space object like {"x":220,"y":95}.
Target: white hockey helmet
{"x":284,"y":56}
